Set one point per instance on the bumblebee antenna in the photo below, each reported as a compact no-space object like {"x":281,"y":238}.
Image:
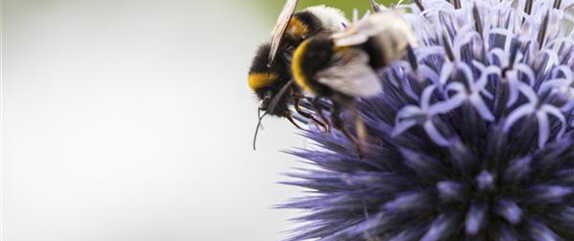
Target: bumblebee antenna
{"x":260,"y":117}
{"x":278,"y":96}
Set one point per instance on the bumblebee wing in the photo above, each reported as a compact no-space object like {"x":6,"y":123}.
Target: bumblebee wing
{"x":387,"y":23}
{"x":360,"y":32}
{"x":350,"y":36}
{"x":351,"y":74}
{"x":387,"y":30}
{"x":280,"y":27}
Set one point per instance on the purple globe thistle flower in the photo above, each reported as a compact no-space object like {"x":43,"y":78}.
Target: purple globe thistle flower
{"x":472,"y":139}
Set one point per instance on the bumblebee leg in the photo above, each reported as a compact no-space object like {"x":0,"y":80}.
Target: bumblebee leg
{"x":298,"y":96}
{"x":319,"y":110}
{"x":338,"y":124}
{"x":290,"y":118}
{"x":359,"y":124}
{"x":309,"y":115}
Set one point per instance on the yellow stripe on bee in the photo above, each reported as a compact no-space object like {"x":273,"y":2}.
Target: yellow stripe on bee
{"x":296,"y":67}
{"x":296,"y":28}
{"x":261,"y":80}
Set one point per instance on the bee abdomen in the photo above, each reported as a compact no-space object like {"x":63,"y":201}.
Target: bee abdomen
{"x":310,"y":57}
{"x":376,"y":53}
{"x":385,"y":48}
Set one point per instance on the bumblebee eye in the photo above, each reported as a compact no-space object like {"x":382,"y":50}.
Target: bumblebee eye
{"x":266,"y":101}
{"x":264,"y":105}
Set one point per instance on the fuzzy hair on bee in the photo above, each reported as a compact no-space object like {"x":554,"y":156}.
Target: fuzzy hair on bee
{"x":293,"y":28}
{"x":343,"y":66}
{"x":267,"y":80}
{"x":270,"y":74}
{"x":330,"y":19}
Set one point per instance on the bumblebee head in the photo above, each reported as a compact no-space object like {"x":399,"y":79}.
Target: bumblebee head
{"x":267,"y":86}
{"x":280,"y":106}
{"x":267,"y":80}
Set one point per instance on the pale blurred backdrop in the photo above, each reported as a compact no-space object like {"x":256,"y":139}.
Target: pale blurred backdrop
{"x":131,"y":120}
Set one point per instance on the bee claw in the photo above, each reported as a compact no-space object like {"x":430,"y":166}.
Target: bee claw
{"x":317,"y":126}
{"x":319,"y":111}
{"x":325,"y":128}
{"x":328,"y":129}
{"x":288,"y":116}
{"x":321,"y":125}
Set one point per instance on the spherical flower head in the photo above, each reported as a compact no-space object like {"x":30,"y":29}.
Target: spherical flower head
{"x":471,"y":139}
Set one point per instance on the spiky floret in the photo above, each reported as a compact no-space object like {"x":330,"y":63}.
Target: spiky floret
{"x":472,"y":139}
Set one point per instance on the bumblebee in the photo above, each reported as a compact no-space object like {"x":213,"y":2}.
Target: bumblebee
{"x":270,"y":72}
{"x":343,"y":66}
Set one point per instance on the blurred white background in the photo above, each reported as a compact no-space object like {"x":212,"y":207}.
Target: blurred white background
{"x":132,"y":120}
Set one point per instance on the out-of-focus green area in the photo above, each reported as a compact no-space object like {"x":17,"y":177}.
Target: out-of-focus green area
{"x":273,"y":7}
